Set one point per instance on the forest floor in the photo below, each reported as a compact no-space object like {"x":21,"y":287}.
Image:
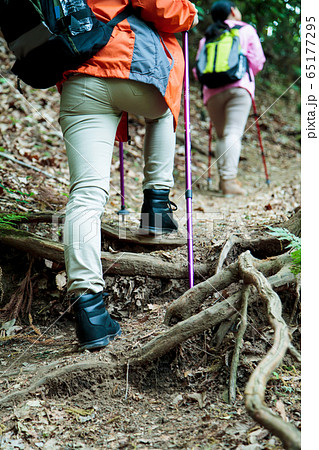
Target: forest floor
{"x":181,"y":400}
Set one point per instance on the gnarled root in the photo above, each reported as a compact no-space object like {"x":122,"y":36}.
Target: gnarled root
{"x":198,"y":323}
{"x":189,"y":303}
{"x":255,"y":389}
{"x":239,"y":341}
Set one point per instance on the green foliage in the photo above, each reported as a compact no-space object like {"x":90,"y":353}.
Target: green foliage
{"x":294,"y":244}
{"x":278,"y":25}
{"x":16,"y":191}
{"x":7,"y":221}
{"x":276,"y":376}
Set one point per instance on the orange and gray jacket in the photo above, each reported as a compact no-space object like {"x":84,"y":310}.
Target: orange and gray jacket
{"x":143,"y":47}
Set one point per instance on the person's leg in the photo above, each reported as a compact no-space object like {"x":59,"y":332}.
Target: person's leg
{"x":229,"y":110}
{"x":216,"y":107}
{"x":237,"y":111}
{"x":159,"y":149}
{"x":159,"y":143}
{"x":89,"y":125}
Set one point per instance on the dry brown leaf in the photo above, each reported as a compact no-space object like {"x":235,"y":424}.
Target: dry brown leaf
{"x":280,"y":407}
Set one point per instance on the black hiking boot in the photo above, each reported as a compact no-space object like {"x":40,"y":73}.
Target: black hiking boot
{"x":157,"y":212}
{"x":94,"y":326}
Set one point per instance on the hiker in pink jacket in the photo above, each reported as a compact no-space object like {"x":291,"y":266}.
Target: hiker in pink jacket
{"x":228,"y":106}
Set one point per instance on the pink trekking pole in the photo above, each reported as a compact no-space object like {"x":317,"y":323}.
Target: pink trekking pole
{"x":188,"y":192}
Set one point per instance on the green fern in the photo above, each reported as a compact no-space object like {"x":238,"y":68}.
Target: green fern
{"x":7,"y":221}
{"x":294,"y":244}
{"x":16,"y":192}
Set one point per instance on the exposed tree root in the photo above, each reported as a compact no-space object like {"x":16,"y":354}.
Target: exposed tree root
{"x":197,"y":324}
{"x":121,"y":263}
{"x":47,"y":375}
{"x":297,"y":301}
{"x":239,"y":343}
{"x":255,"y":388}
{"x":114,"y":231}
{"x":161,"y":344}
{"x":182,"y":331}
{"x":294,"y":223}
{"x":124,"y":234}
{"x":188,"y":303}
{"x":191,"y":300}
{"x":266,"y":275}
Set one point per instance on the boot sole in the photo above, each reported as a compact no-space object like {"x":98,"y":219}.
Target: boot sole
{"x":155,"y":231}
{"x":99,"y":343}
{"x":234,"y":195}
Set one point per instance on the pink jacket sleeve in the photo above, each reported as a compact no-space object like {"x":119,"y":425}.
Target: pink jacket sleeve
{"x":253,"y":49}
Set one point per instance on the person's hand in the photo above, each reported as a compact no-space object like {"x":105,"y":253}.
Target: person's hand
{"x":195,"y":21}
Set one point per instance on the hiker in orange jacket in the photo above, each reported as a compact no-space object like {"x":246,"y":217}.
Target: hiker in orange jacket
{"x":139,"y":71}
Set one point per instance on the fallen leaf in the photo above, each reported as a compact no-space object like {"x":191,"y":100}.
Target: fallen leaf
{"x":199,"y":397}
{"x":249,"y":447}
{"x":9,"y":328}
{"x":60,"y":280}
{"x":257,"y":435}
{"x":280,"y":407}
{"x":48,"y":263}
{"x":178,"y":399}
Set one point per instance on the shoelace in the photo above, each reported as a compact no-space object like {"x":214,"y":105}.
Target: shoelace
{"x":170,"y":204}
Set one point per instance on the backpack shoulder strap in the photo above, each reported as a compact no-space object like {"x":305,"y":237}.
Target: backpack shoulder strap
{"x":127,"y":11}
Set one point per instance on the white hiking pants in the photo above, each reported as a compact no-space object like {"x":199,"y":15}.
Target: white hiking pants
{"x":229,"y":112}
{"x":90,"y":111}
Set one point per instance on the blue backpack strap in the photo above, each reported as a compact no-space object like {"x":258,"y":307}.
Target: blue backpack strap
{"x":57,"y":12}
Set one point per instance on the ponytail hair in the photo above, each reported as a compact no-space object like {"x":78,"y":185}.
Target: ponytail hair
{"x":220,"y":10}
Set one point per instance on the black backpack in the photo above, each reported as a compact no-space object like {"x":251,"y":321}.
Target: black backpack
{"x":47,"y":39}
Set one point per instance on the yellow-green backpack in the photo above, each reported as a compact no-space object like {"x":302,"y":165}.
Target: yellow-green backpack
{"x":221,"y":60}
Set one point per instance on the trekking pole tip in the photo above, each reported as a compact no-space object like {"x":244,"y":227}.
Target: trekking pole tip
{"x":123,"y":212}
{"x":268,"y":182}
